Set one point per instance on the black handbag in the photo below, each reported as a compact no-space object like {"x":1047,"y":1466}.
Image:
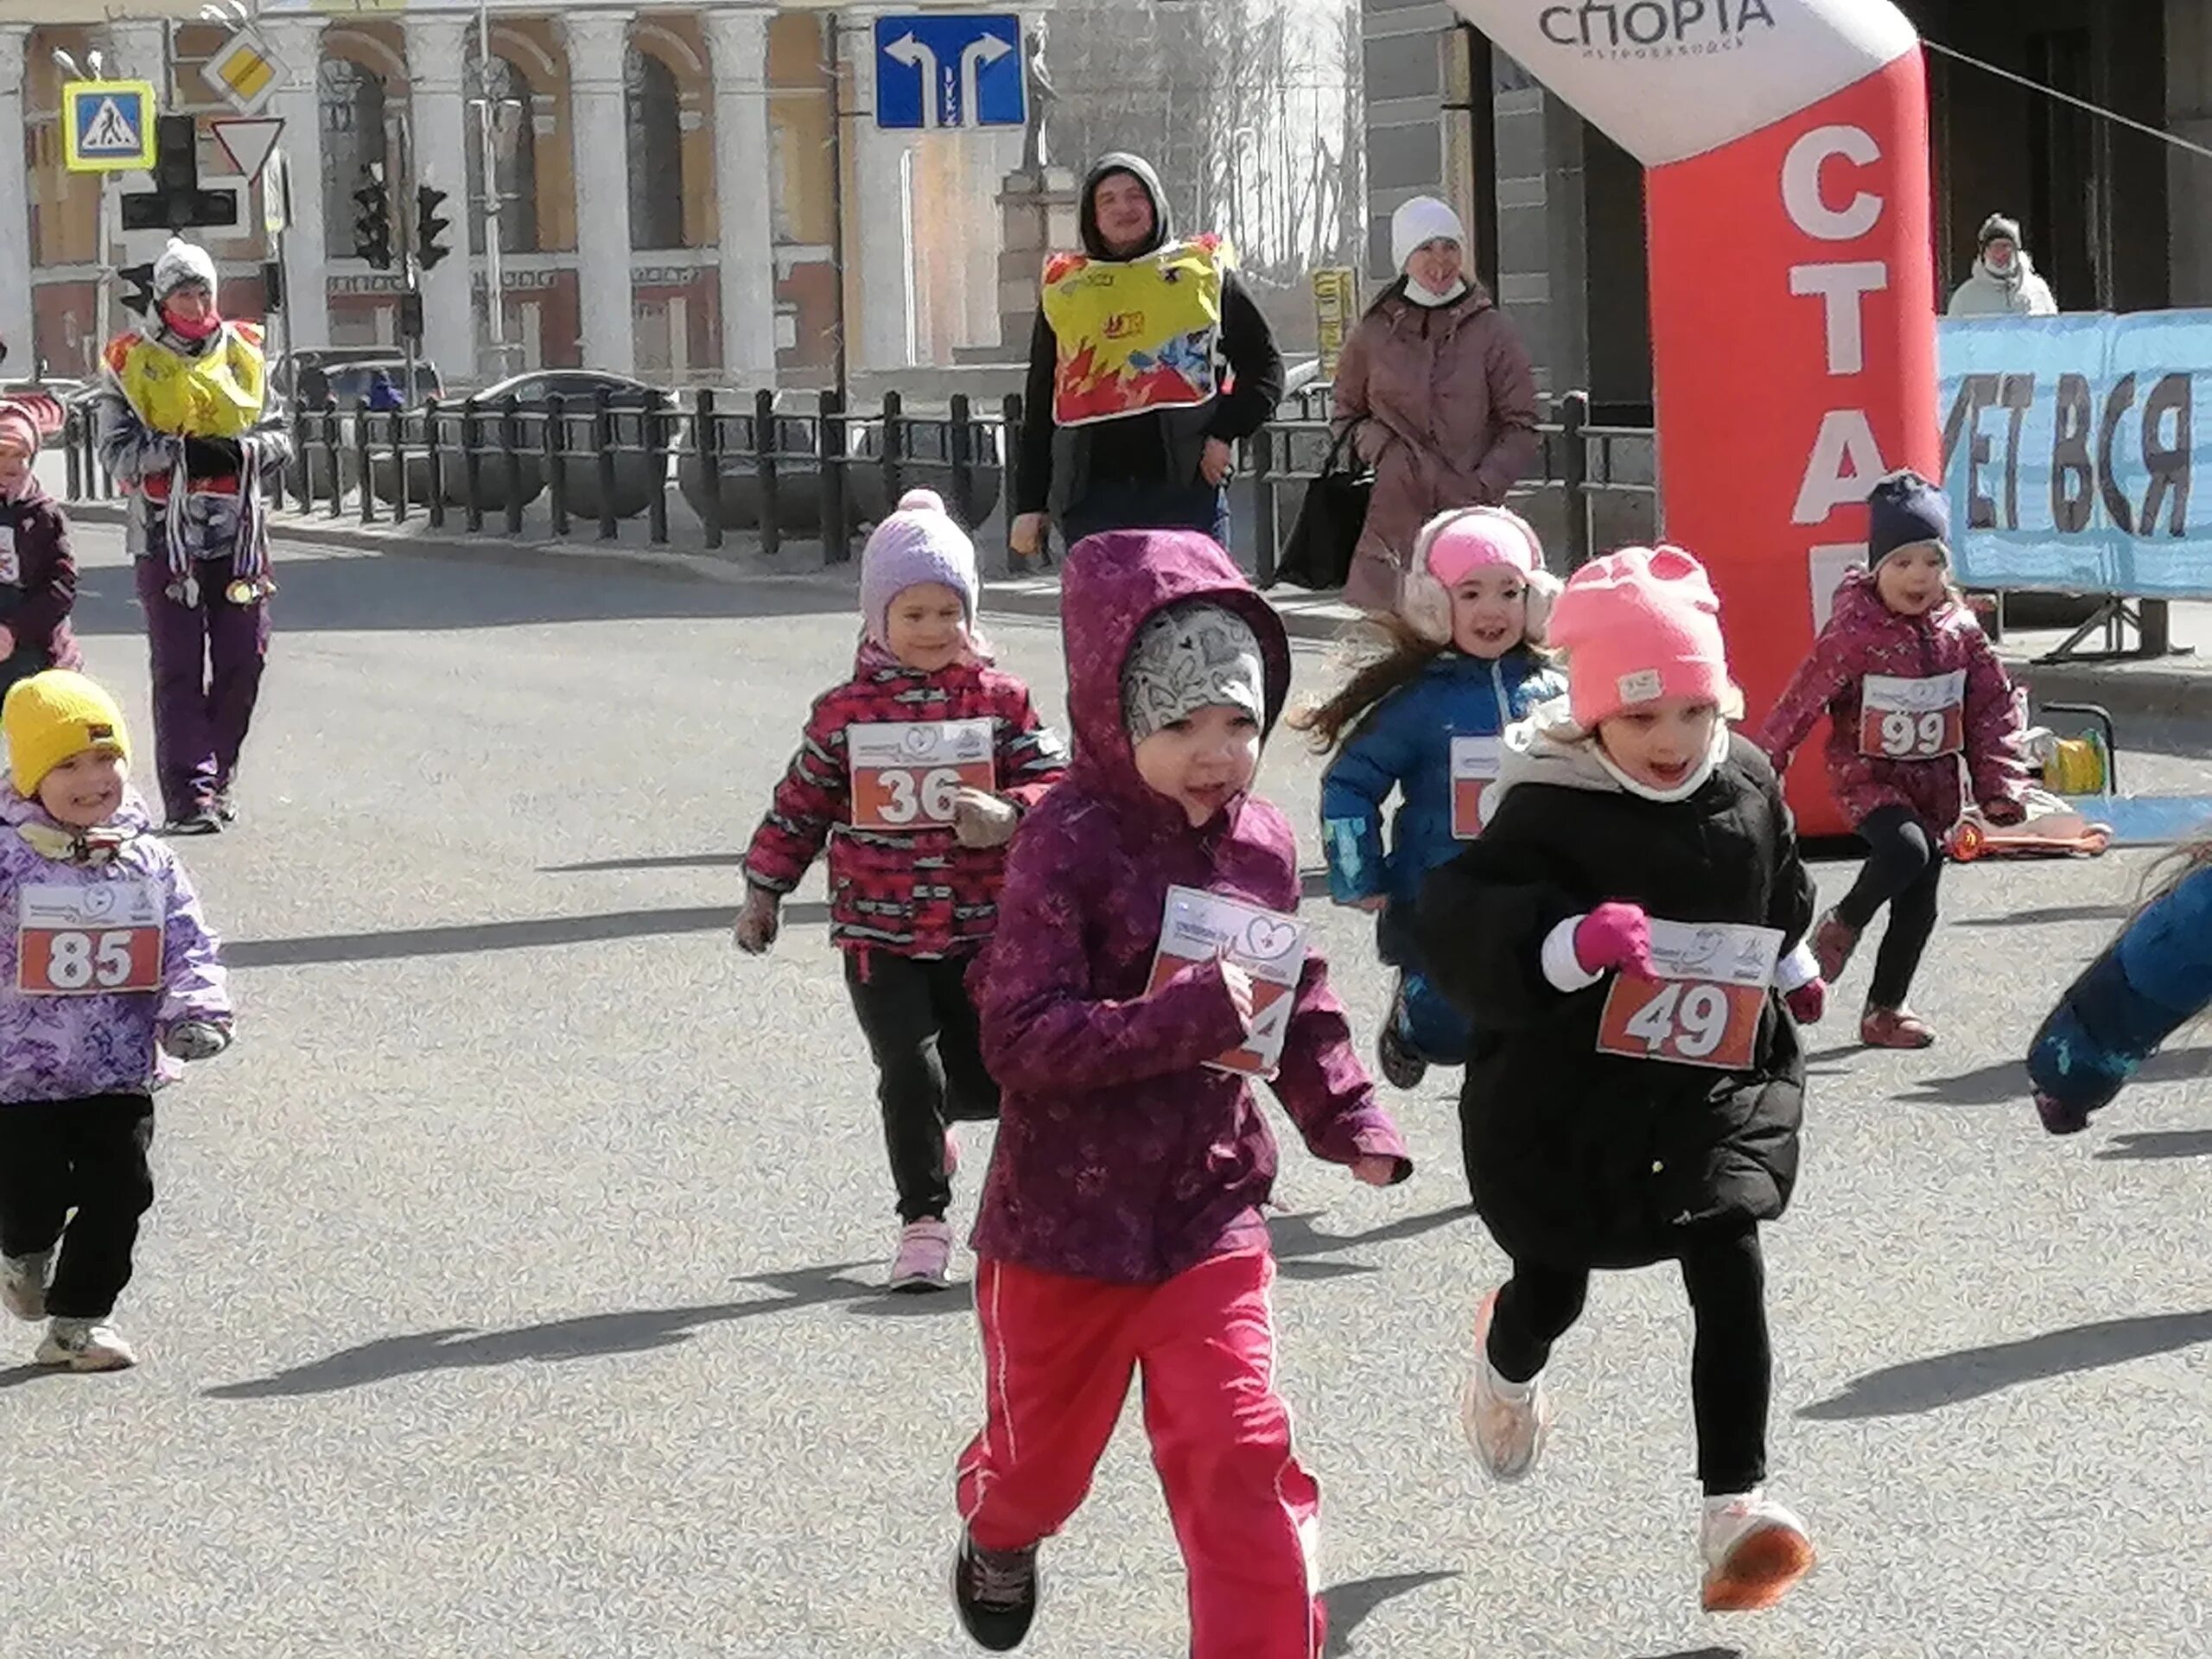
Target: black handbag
{"x":1317,"y":555}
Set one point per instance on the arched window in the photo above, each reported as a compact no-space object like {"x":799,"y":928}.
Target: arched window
{"x":515,"y":147}
{"x":352,"y":105}
{"x":656,"y":153}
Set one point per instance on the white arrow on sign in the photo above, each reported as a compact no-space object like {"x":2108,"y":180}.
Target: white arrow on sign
{"x":988,"y":50}
{"x":248,"y":140}
{"x":911,"y":53}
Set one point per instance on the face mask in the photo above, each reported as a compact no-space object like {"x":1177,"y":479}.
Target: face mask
{"x":206,"y":325}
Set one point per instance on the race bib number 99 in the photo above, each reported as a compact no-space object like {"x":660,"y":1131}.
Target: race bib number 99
{"x":1198,"y":927}
{"x":1704,"y":1008}
{"x":89,"y":941}
{"x":1474,"y":768}
{"x":1913,"y":720}
{"x":906,"y":777}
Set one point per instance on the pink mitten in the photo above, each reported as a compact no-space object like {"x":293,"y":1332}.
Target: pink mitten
{"x":1809,"y":1001}
{"x":1614,"y":936}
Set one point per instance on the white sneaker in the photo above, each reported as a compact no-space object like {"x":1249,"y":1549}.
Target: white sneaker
{"x":1754,"y":1551}
{"x":925,"y":1257}
{"x":22,"y":1284}
{"x":1506,"y":1427}
{"x":85,"y":1346}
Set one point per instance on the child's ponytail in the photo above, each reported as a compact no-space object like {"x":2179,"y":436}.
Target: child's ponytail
{"x":1388,"y":654}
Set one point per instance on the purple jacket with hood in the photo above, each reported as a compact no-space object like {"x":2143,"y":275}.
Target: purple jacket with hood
{"x":67,"y":1047}
{"x":1120,"y":1156}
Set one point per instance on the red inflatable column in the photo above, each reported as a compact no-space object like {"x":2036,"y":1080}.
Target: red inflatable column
{"x":1792,"y":289}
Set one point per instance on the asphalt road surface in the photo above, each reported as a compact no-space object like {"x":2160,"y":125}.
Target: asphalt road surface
{"x":512,"y":1288}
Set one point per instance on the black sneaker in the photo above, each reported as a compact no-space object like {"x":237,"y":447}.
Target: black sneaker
{"x":996,"y":1592}
{"x":201,"y":822}
{"x":226,"y":804}
{"x":1400,"y":1065}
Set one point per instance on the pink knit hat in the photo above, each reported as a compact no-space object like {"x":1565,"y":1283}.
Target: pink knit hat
{"x":18,"y":430}
{"x":1455,"y":544}
{"x":1638,"y":625}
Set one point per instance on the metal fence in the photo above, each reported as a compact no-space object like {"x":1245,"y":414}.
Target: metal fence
{"x":778,"y":468}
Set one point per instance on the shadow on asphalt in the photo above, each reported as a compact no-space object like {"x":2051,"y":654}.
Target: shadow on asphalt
{"x":1302,"y":1253}
{"x":1350,"y":1605}
{"x":668,"y":861}
{"x":1951,"y":1379}
{"x":1993,"y":1085}
{"x":374,"y":594}
{"x":2148,"y":1145}
{"x":2055,"y":913}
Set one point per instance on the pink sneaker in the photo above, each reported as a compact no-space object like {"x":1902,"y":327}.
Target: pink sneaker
{"x":925,"y":1257}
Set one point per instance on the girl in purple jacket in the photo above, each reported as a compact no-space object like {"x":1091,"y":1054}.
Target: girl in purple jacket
{"x":38,"y":578}
{"x":1911,"y":690}
{"x":1121,"y":1227}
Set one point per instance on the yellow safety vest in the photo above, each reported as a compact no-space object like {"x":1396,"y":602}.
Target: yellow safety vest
{"x":1135,"y":335}
{"x":219,"y":394}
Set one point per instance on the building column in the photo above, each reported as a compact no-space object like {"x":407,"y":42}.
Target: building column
{"x":598,"y":43}
{"x":438,"y":57}
{"x":17,"y":315}
{"x":2188,"y":115}
{"x":298,"y":41}
{"x":737,"y":52}
{"x":879,"y":291}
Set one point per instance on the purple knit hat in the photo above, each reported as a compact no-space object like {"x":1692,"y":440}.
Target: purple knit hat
{"x":919,"y":542}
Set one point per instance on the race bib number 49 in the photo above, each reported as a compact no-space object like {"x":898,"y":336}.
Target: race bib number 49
{"x":89,"y":941}
{"x":1913,"y":720}
{"x":907,"y":776}
{"x":1474,"y":768}
{"x":1704,"y":1008}
{"x":1199,"y":926}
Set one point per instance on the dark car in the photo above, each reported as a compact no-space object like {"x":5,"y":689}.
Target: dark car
{"x":345,"y":372}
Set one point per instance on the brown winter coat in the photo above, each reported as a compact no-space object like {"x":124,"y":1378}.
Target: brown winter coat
{"x":1444,"y":402}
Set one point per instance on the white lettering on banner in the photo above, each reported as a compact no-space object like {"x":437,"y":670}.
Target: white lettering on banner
{"x":1829,"y":563}
{"x":1801,"y":184}
{"x":1846,"y":465}
{"x":1843,"y":287}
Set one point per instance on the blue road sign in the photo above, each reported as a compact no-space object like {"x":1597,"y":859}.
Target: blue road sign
{"x":940,"y":69}
{"x":107,"y":126}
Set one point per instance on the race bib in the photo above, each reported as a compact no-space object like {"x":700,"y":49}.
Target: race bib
{"x":1704,"y":1008}
{"x":1913,"y":720}
{"x":1475,"y":762}
{"x":89,"y":941}
{"x":906,"y":776}
{"x":11,"y":562}
{"x":1198,"y":927}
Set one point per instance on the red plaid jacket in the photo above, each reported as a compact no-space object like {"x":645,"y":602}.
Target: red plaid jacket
{"x":912,"y":892}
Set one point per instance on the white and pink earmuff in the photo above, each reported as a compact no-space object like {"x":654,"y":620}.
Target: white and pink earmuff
{"x":1454,"y":545}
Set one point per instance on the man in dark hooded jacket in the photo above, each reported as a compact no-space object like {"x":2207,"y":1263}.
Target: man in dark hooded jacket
{"x":1129,"y":422}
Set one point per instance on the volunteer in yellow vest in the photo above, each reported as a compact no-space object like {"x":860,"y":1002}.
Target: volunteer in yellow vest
{"x":182,"y":427}
{"x":1148,"y":361}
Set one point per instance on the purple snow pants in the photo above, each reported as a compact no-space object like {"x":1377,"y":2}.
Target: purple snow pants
{"x":207,"y":660}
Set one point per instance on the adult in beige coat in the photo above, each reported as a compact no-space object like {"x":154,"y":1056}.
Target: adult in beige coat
{"x":1438,"y":394}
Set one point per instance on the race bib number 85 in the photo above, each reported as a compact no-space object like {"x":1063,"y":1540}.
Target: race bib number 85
{"x":1912,"y":720}
{"x":907,"y":776}
{"x":89,"y":941}
{"x":1704,"y":1008}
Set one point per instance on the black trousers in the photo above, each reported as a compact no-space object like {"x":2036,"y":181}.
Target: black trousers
{"x":88,"y":1155}
{"x":1903,"y":870}
{"x":922,"y":1030}
{"x":1731,"y":1366}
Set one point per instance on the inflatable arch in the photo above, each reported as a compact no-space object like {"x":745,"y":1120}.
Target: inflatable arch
{"x":1793,"y":322}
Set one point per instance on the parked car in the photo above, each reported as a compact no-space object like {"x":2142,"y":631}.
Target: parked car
{"x":344,"y":373}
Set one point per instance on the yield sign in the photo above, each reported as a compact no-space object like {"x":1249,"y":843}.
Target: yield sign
{"x":247,"y":141}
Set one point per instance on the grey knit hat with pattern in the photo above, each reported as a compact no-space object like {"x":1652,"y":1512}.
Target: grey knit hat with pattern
{"x":1189,"y":657}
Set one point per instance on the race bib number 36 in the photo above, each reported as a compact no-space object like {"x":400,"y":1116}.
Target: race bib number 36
{"x":1474,"y":768}
{"x":1704,"y":1008}
{"x":906,"y":777}
{"x":89,"y":941}
{"x":1199,"y":926}
{"x":1913,"y":720}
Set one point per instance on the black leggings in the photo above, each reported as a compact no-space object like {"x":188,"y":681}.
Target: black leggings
{"x":1732,"y":1367}
{"x":1903,"y":870}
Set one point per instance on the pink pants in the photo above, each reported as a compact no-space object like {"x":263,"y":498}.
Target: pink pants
{"x":1058,"y":1356}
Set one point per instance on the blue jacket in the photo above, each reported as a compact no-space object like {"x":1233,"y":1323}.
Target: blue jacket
{"x":2155,"y":977}
{"x":1405,"y":743}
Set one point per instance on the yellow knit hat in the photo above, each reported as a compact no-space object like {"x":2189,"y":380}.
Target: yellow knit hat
{"x":51,"y":716}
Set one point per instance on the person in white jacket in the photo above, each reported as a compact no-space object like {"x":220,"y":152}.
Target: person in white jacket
{"x":2004,"y":282}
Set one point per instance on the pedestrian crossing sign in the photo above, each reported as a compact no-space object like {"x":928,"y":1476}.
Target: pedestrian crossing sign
{"x":108,"y":126}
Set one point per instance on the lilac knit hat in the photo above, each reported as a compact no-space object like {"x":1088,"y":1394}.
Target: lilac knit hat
{"x":919,"y":542}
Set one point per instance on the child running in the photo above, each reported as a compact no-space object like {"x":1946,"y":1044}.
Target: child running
{"x":1425,"y":720}
{"x":916,"y":771}
{"x":1910,"y":686}
{"x":1121,"y":1227}
{"x":2152,"y":980}
{"x":105,"y":963}
{"x":1624,"y":936}
{"x":38,"y":577}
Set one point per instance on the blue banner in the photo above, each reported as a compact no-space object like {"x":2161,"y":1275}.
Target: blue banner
{"x":2071,"y":450}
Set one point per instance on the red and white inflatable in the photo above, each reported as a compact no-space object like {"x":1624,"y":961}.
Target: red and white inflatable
{"x":1793,"y":318}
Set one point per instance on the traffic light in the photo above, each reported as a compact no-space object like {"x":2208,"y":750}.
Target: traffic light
{"x":137,"y":287}
{"x":428,"y":227}
{"x":372,"y":224}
